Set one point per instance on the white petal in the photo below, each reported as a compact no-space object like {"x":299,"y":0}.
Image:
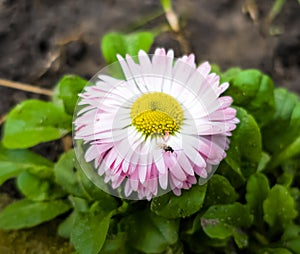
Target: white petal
{"x":134,"y":68}
{"x":128,"y":190}
{"x":182,"y":71}
{"x":194,"y":156}
{"x":204,"y":69}
{"x":185,"y":164}
{"x":160,"y":165}
{"x":142,"y":168}
{"x":163,"y":180}
{"x":174,"y":167}
{"x":91,"y":153}
{"x":125,"y":67}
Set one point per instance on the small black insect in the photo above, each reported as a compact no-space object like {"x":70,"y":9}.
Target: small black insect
{"x":169,"y":149}
{"x":166,"y":148}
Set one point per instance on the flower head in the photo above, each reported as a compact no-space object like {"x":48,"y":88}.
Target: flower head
{"x":163,"y":126}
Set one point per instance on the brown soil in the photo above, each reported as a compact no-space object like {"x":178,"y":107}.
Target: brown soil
{"x":41,"y":40}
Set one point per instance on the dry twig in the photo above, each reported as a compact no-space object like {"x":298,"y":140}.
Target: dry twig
{"x":25,"y":87}
{"x":2,"y":119}
{"x":250,"y":6}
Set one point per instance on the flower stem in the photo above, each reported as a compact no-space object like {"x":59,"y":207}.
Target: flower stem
{"x":171,"y":16}
{"x":276,"y":8}
{"x":291,"y":151}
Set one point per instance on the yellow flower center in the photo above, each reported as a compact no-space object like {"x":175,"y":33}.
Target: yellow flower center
{"x":156,"y":113}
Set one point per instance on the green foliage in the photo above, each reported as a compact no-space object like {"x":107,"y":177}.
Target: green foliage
{"x":89,"y":230}
{"x":13,"y":162}
{"x":279,"y":207}
{"x":219,"y":191}
{"x":291,"y":238}
{"x":65,"y":228}
{"x":67,"y":90}
{"x":283,"y":144}
{"x":253,"y":91}
{"x":223,"y":221}
{"x":245,"y":150}
{"x":33,"y":122}
{"x":66,"y":175}
{"x":257,"y":191}
{"x":287,"y":118}
{"x":250,"y":205}
{"x":36,"y":188}
{"x":229,"y":74}
{"x":150,"y":233}
{"x":26,"y":213}
{"x":167,"y":4}
{"x":116,"y":244}
{"x":188,"y":203}
{"x":116,"y":43}
{"x":274,"y":251}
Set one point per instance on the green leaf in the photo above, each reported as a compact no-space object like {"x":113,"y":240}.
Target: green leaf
{"x":295,"y":193}
{"x":229,"y":74}
{"x":257,"y":191}
{"x":89,"y":191}
{"x":176,"y":248}
{"x":279,"y":207}
{"x":290,"y":168}
{"x":38,"y":189}
{"x":215,"y":69}
{"x":284,"y":127}
{"x":26,"y":213}
{"x":80,"y":204}
{"x":13,"y":162}
{"x":191,"y":224}
{"x":65,"y":228}
{"x":68,"y":89}
{"x":265,"y":158}
{"x":94,"y":192}
{"x":289,"y":152}
{"x":224,"y":221}
{"x":150,"y":233}
{"x":285,"y":179}
{"x":291,"y":238}
{"x":245,"y":149}
{"x":116,"y":43}
{"x":116,"y":244}
{"x":89,"y":231}
{"x":188,"y":203}
{"x":236,"y":179}
{"x":274,"y":251}
{"x":219,"y":191}
{"x":293,"y":245}
{"x":167,"y":5}
{"x":56,"y":100}
{"x":66,"y":175}
{"x":33,"y":122}
{"x":253,"y":91}
{"x":199,"y":242}
{"x":291,"y":232}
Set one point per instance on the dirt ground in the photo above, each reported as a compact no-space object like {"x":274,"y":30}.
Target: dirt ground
{"x":41,"y":40}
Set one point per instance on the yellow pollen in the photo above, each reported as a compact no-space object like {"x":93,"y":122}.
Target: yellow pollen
{"x":156,"y":113}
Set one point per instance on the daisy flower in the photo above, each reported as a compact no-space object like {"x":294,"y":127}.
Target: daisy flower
{"x":163,"y":126}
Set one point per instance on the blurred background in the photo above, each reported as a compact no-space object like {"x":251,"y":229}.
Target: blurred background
{"x":41,"y":40}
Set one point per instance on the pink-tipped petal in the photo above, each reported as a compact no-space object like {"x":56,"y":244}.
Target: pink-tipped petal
{"x":127,"y":145}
